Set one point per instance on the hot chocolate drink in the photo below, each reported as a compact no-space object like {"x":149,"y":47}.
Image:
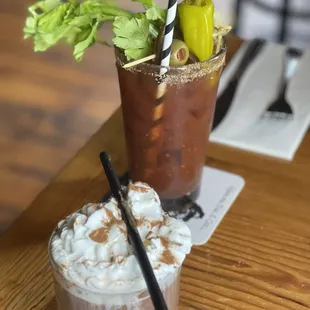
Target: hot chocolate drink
{"x":93,"y":263}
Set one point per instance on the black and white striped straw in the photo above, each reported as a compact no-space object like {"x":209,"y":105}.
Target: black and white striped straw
{"x":168,"y":35}
{"x":164,"y":64}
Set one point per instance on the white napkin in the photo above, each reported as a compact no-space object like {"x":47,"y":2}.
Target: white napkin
{"x":219,"y":189}
{"x":243,"y":127}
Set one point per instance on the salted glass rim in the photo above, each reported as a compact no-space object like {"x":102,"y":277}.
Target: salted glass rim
{"x":219,"y":56}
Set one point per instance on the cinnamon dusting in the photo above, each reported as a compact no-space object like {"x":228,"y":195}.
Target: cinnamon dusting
{"x":149,"y":235}
{"x":123,"y":231}
{"x":139,"y":221}
{"x":139,"y":189}
{"x":119,"y":259}
{"x":101,"y":234}
{"x":110,"y":215}
{"x":166,"y":256}
{"x":157,"y":267}
{"x":155,"y":223}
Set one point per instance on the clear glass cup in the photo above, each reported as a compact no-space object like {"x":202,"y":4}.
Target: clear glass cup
{"x":69,"y":296}
{"x":167,"y":139}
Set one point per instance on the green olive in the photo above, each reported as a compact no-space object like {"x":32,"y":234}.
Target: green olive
{"x":179,"y":53}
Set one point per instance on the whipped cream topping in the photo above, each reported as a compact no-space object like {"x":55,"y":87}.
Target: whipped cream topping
{"x":91,"y":251}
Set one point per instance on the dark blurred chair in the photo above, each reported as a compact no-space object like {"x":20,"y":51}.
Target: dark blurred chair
{"x":285,"y":17}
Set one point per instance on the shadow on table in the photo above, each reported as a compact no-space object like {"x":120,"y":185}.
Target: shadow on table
{"x":34,"y":227}
{"x":52,"y":305}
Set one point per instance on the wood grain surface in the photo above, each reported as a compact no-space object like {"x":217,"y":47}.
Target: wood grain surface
{"x":258,"y":258}
{"x":49,"y":107}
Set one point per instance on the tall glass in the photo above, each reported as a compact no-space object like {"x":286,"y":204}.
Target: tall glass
{"x":168,"y":150}
{"x":70,"y":296}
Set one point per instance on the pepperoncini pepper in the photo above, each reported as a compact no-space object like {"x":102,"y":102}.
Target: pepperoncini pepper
{"x":196,"y":22}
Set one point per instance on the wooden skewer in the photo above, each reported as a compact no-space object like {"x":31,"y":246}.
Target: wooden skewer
{"x":139,"y":61}
{"x":221,"y":30}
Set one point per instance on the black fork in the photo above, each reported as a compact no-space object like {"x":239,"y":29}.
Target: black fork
{"x":280,"y":107}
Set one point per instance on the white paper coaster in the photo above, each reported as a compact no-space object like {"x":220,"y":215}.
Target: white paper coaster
{"x":219,"y":189}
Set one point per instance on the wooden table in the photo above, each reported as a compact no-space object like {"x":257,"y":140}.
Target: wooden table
{"x":258,"y":258}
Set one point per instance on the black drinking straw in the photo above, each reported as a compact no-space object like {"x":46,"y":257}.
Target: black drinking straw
{"x":133,"y":235}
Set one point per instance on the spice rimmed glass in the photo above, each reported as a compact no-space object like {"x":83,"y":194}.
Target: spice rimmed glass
{"x":169,"y":153}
